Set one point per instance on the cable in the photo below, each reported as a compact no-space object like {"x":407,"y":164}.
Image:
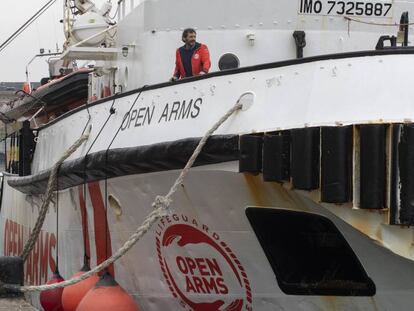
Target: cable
{"x":128,"y":114}
{"x":37,"y":100}
{"x":21,"y":29}
{"x":111,"y":112}
{"x":57,"y":222}
{"x":30,"y":21}
{"x":374,"y":23}
{"x":86,"y":234}
{"x":106,"y":218}
{"x":115,"y":14}
{"x":26,"y":24}
{"x":5,"y":148}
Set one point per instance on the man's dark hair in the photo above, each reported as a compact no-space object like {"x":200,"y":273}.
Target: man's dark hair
{"x":187,"y":31}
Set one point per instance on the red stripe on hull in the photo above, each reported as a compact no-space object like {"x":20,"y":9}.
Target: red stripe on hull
{"x":103,"y":250}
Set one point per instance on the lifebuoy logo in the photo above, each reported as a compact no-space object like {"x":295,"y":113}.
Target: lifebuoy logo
{"x":199,"y":268}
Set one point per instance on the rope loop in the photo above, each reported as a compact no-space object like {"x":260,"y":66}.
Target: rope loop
{"x":161,"y":203}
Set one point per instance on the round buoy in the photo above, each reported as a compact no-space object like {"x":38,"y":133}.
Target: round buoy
{"x":107,"y":295}
{"x":51,"y":300}
{"x":72,"y":295}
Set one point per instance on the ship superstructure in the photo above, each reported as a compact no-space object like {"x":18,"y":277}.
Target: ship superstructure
{"x":302,"y":200}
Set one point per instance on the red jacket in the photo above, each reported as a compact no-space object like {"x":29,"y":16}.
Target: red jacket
{"x":200,"y":62}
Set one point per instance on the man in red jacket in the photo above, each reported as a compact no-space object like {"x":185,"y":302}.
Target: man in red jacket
{"x":193,"y":58}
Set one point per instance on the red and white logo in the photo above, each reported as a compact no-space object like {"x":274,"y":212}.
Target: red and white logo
{"x":196,"y":56}
{"x":200,"y":269}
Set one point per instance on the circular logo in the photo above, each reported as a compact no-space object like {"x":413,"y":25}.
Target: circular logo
{"x":200,"y":269}
{"x":196,"y":56}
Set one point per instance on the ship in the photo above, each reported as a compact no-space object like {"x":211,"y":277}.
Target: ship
{"x":302,"y":199}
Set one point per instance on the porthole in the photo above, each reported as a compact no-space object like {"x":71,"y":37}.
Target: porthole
{"x":228,"y":61}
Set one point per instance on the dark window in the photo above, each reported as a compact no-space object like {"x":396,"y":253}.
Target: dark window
{"x":228,"y":61}
{"x":308,"y":254}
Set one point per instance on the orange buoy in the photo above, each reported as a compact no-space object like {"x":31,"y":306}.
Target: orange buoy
{"x":107,"y":295}
{"x":72,"y":295}
{"x":51,"y":300}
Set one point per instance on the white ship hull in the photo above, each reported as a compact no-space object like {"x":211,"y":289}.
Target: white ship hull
{"x":227,"y":267}
{"x":213,"y":200}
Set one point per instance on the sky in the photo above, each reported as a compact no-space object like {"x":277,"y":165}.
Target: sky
{"x":46,"y":33}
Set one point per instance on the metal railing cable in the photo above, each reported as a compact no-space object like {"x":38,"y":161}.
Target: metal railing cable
{"x":22,"y":28}
{"x":160,"y":206}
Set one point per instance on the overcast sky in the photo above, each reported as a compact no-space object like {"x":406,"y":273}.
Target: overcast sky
{"x":45,"y":33}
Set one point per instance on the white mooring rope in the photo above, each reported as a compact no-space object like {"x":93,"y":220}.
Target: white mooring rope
{"x":160,"y":205}
{"x":48,"y":196}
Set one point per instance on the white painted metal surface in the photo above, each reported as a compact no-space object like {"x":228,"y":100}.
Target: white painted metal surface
{"x":225,"y":25}
{"x":220,"y":207}
{"x":372,"y":89}
{"x":90,"y":53}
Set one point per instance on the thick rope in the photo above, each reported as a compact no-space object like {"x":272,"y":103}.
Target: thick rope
{"x":48,"y":196}
{"x":160,"y":205}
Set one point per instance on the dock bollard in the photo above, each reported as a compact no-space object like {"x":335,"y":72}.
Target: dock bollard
{"x":11,"y":272}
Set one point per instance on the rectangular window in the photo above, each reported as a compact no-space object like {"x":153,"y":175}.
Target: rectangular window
{"x":308,"y":254}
